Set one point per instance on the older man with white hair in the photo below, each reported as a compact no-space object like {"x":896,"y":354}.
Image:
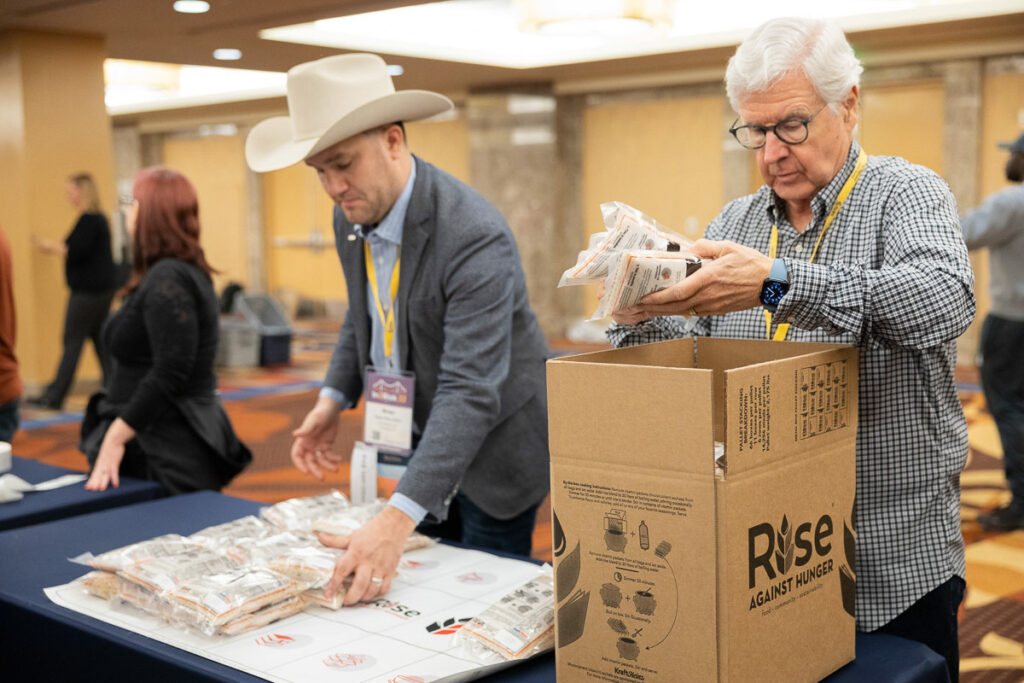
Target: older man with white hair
{"x":837,"y":246}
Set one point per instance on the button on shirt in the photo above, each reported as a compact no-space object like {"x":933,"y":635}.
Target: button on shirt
{"x":385,"y":241}
{"x":891,"y":277}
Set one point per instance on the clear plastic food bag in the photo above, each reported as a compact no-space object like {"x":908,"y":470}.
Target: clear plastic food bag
{"x":237,"y":531}
{"x":518,"y":626}
{"x":300,"y":513}
{"x":635,"y":274}
{"x":208,"y":602}
{"x":118,"y":558}
{"x":627,"y":229}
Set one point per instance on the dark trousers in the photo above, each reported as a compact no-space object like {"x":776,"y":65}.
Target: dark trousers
{"x":932,"y":621}
{"x":9,"y":419}
{"x":1002,"y":379}
{"x":83,"y":319}
{"x":466,"y":523}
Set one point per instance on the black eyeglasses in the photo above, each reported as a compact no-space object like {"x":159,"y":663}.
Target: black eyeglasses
{"x":790,"y":131}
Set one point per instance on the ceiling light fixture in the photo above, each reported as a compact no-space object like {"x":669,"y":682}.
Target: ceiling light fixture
{"x":583,"y":17}
{"x":191,"y":6}
{"x":227,"y":54}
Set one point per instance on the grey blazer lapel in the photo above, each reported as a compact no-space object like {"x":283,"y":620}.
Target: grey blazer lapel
{"x":415,"y":235}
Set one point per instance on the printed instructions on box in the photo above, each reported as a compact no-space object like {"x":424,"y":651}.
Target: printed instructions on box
{"x":634,"y":598}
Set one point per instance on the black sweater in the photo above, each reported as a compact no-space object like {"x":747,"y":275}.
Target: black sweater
{"x":89,"y":266}
{"x":163,"y":341}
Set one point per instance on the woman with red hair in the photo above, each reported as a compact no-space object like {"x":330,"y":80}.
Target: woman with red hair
{"x":161,"y":418}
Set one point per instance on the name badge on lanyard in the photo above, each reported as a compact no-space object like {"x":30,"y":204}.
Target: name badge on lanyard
{"x":388,"y":419}
{"x":388,"y":394}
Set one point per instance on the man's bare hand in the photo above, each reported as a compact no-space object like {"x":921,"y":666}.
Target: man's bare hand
{"x":314,"y":440}
{"x":371,"y":555}
{"x":729,"y":279}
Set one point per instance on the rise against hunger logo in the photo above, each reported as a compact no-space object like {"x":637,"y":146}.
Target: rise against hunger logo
{"x":280,"y":640}
{"x":349,"y":661}
{"x":446,"y":627}
{"x":392,"y":392}
{"x":773,"y":552}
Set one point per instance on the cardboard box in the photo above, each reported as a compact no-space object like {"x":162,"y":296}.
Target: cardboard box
{"x":668,"y":571}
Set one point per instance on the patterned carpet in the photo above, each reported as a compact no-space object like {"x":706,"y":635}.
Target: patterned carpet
{"x":266,"y":404}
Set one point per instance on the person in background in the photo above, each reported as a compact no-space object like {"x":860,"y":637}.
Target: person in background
{"x":91,"y":276}
{"x":10,"y":380}
{"x":161,"y":418}
{"x":998,"y":223}
{"x":436,"y":288}
{"x":840,"y":247}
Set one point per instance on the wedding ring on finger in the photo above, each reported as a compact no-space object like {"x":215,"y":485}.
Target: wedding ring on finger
{"x":377,"y":580}
{"x":693,"y":311}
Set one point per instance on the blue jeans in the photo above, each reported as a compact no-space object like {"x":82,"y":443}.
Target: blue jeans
{"x":466,"y":523}
{"x":9,"y":419}
{"x":1002,"y":379}
{"x":932,"y":621}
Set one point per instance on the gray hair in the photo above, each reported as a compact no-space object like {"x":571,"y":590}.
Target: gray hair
{"x":778,"y":46}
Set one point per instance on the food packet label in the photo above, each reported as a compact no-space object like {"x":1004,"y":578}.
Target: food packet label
{"x":639,"y":273}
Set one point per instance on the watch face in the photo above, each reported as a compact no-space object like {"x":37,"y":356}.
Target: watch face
{"x":772,"y":292}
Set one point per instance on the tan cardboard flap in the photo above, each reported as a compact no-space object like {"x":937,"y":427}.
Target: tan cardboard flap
{"x":597,"y":411}
{"x":675,"y":353}
{"x":790,"y":407}
{"x":719,"y":353}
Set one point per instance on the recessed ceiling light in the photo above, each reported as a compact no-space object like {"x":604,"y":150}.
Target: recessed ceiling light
{"x":227,"y":53}
{"x":191,"y":6}
{"x":395,"y":69}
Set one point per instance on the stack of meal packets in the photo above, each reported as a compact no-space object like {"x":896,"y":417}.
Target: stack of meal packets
{"x":635,"y":256}
{"x":235,"y":576}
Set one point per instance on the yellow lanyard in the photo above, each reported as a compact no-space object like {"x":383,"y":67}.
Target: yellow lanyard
{"x":773,"y":245}
{"x":387,"y":320}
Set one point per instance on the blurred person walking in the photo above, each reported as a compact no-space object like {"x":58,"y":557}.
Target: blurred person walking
{"x":998,"y":223}
{"x":161,"y":418}
{"x":91,"y":276}
{"x":10,"y":381}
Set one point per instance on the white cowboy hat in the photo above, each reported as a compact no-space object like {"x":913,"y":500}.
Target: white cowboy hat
{"x":331,"y":100}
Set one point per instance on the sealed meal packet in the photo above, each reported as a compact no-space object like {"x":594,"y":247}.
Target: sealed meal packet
{"x":520,"y":625}
{"x":161,"y":546}
{"x":635,"y":274}
{"x":300,"y":513}
{"x":345,"y":522}
{"x":627,"y":229}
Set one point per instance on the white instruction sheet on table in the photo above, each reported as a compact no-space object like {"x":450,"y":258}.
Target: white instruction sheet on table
{"x":405,"y":635}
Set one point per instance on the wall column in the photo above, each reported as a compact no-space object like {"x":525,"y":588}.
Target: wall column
{"x":53,"y":123}
{"x":514,"y":163}
{"x":961,"y":165}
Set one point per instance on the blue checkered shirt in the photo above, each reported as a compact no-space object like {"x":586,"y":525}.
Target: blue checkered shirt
{"x":892,"y":278}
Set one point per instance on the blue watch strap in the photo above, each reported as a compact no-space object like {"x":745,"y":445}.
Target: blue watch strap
{"x":779,"y":271}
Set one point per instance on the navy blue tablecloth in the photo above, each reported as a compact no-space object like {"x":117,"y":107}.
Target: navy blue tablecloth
{"x":45,"y":642}
{"x":67,"y":501}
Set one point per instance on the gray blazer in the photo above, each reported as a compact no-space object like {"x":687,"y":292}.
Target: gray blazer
{"x":467,"y":330}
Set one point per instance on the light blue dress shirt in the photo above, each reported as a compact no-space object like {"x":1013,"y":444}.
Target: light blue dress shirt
{"x":385,"y":241}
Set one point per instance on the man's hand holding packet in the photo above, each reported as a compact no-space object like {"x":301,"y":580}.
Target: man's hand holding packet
{"x":634,"y":256}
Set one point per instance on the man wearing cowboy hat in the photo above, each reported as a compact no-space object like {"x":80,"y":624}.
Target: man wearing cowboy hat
{"x":437,"y":298}
{"x":998,"y":223}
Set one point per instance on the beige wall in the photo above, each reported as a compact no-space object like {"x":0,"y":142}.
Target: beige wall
{"x":660,"y":156}
{"x":216,"y":168}
{"x":53,"y":123}
{"x":296,"y":209}
{"x":905,"y":120}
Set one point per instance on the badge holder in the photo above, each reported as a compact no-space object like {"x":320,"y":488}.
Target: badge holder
{"x":387,"y":432}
